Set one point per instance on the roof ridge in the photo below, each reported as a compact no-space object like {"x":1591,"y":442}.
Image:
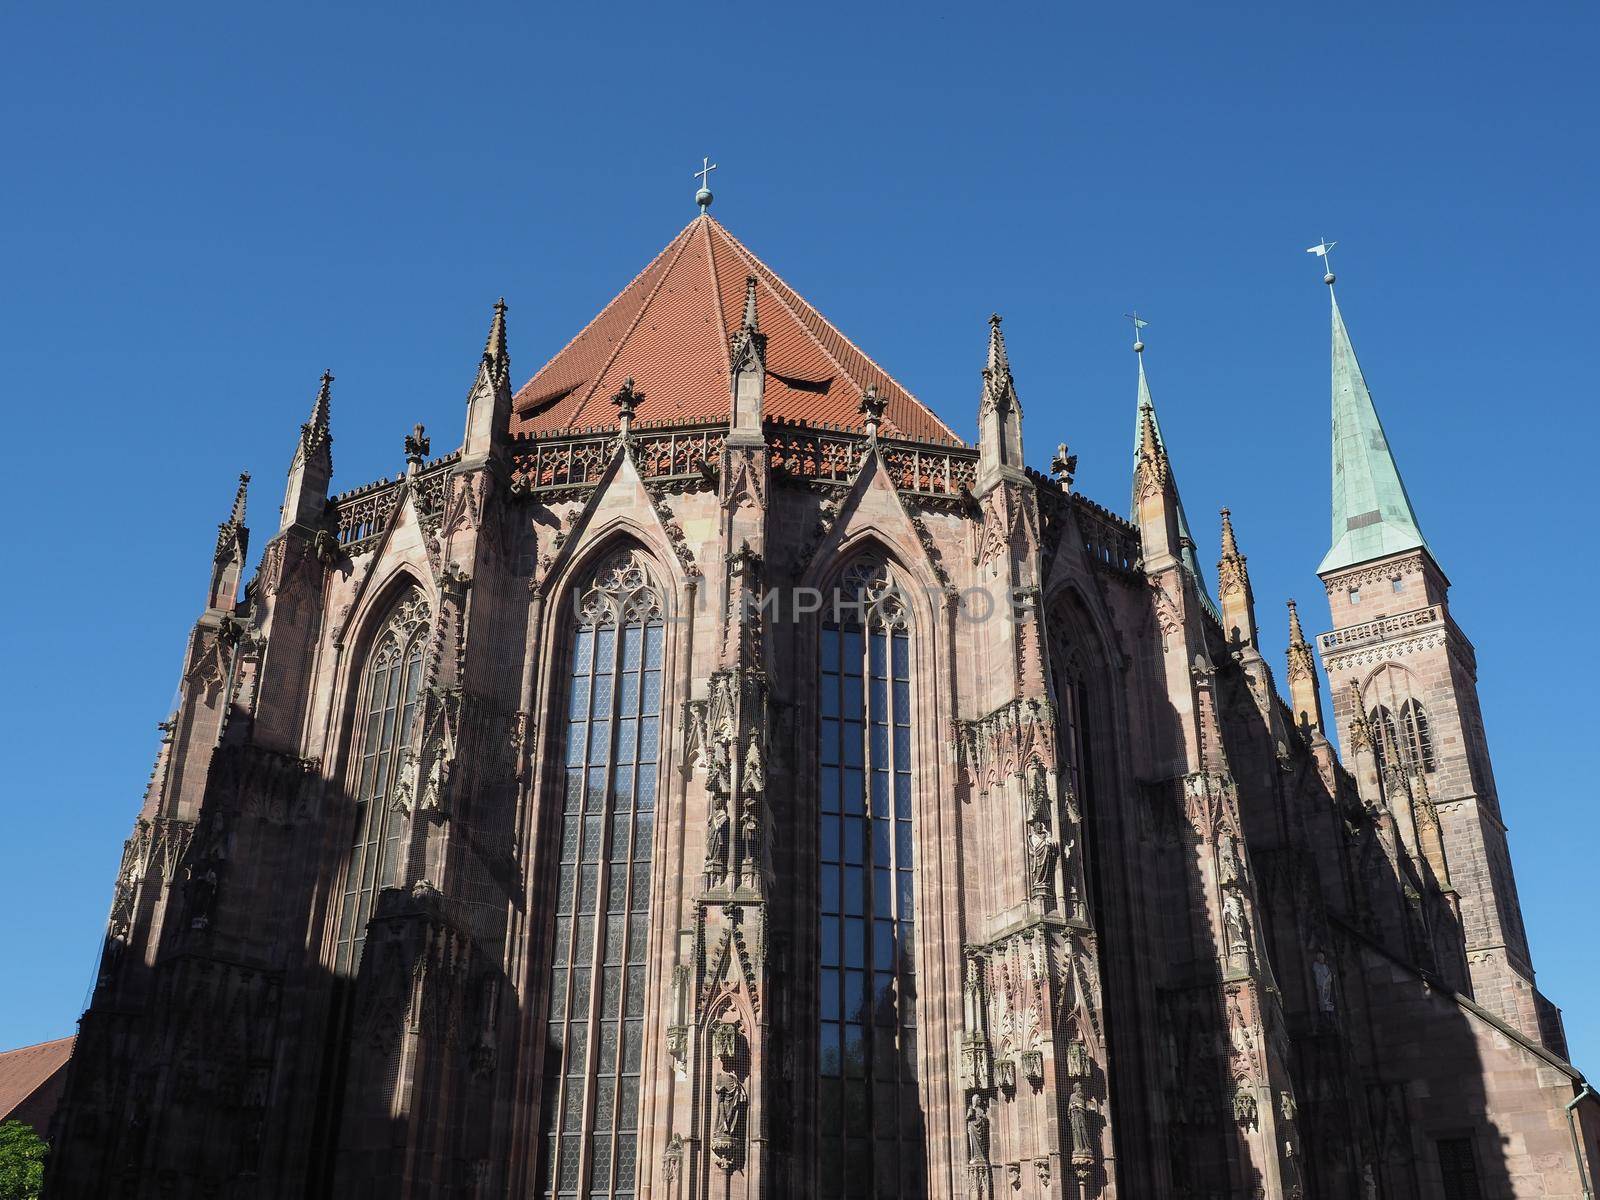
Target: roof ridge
{"x":609,"y":305}
{"x":644,"y":307}
{"x":817,"y":313}
{"x":716,"y":296}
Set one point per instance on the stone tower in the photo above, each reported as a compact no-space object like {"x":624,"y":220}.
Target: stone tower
{"x":1403,"y":677}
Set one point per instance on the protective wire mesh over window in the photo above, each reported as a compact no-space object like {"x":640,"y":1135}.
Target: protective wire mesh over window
{"x":1408,"y":742}
{"x":594,"y":1028}
{"x":388,"y":704}
{"x":869,"y":1118}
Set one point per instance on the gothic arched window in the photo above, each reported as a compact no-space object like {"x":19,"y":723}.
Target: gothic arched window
{"x":595,"y":1024}
{"x":390,"y":685}
{"x":869,"y":1116}
{"x":1419,"y":738}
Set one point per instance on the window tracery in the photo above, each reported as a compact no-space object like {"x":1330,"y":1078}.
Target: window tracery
{"x":869,"y":1113}
{"x":594,"y":1025}
{"x":390,"y":685}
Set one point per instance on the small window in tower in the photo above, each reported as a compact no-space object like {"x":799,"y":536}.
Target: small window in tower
{"x":1458,"y":1169}
{"x":1355,"y":595}
{"x":1395,"y":584}
{"x":1419,"y":737}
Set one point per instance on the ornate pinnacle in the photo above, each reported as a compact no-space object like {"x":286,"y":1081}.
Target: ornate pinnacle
{"x":1230,"y":545}
{"x":230,"y":532}
{"x":1297,"y":636}
{"x":751,"y":317}
{"x":315,"y":433}
{"x":495,"y":354}
{"x":1064,"y":466}
{"x":417,"y":446}
{"x":627,"y":401}
{"x":872,"y":407}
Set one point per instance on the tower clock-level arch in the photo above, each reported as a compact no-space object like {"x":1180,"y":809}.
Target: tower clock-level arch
{"x":607,"y":699}
{"x":871,"y":1130}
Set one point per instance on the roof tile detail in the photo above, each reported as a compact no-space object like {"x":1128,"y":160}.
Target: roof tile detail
{"x":669,"y":331}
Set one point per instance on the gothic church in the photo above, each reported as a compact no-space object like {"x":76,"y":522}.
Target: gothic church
{"x":715,"y":778}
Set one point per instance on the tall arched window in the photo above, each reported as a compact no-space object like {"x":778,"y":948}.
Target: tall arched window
{"x":870,"y":1140}
{"x":390,"y":685}
{"x":595,"y":1023}
{"x":1418,"y":736}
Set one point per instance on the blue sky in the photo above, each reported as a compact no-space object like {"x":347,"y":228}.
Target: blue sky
{"x":205,"y":206}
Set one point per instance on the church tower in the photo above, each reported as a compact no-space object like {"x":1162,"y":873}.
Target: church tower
{"x":1396,"y":649}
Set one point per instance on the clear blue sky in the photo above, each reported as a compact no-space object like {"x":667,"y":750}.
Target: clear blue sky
{"x":204,"y":206}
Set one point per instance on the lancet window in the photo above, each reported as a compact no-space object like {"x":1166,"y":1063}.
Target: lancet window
{"x":594,"y":1027}
{"x":870,"y":1140}
{"x":390,"y":686}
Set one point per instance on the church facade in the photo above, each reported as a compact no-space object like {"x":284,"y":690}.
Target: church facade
{"x":714,"y":778}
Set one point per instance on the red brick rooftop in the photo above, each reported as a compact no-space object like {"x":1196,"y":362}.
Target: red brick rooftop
{"x":669,"y":331}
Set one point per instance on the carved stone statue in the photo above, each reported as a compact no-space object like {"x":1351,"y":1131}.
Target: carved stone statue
{"x":1041,"y":858}
{"x":1078,"y":1123}
{"x":1227,"y":859}
{"x":730,"y":1096}
{"x":1038,"y":792}
{"x":1235,"y":931}
{"x":1322,"y":973}
{"x":717,"y":838}
{"x":977,"y":1129}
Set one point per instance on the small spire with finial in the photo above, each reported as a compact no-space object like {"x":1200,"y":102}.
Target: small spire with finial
{"x":1322,"y":250}
{"x":1138,"y":342}
{"x":495,"y":352}
{"x":627,"y":401}
{"x":236,"y":517}
{"x":1297,"y":636}
{"x":872,"y":408}
{"x":1230,"y":544}
{"x":704,"y":197}
{"x":417,"y":446}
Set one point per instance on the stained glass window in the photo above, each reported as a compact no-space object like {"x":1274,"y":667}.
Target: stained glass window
{"x":388,"y":705}
{"x":869,"y":1130}
{"x":595,"y":1024}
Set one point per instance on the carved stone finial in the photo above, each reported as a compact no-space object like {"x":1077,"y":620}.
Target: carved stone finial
{"x":418,"y":445}
{"x":627,"y":401}
{"x":1064,"y":466}
{"x":872,"y":408}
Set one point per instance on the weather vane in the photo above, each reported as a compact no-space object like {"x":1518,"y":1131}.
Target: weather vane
{"x":1321,"y":250}
{"x":1138,"y":342}
{"x":703,"y":196}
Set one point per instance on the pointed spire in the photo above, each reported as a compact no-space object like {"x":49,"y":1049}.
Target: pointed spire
{"x":1145,"y":413}
{"x":999,"y":414}
{"x":1233,"y":585}
{"x":1230,"y":544}
{"x":233,"y":539}
{"x":311,"y":470}
{"x":316,"y":434}
{"x":752,"y":319}
{"x":496,"y":356}
{"x":489,"y":402}
{"x":240,"y":497}
{"x":999,"y":367}
{"x":1372,"y":514}
{"x":747,"y":354}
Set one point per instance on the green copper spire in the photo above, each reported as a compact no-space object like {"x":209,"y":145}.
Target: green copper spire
{"x":1191,"y":561}
{"x":1372,"y":515}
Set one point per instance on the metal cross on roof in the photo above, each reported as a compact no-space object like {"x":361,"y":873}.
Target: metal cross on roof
{"x":703,"y":196}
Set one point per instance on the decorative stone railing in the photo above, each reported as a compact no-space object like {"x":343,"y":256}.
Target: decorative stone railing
{"x":550,"y":465}
{"x":1383,"y":627}
{"x":681,"y":452}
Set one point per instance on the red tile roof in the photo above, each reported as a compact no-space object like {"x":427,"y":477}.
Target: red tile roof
{"x":669,"y":331}
{"x":25,"y":1073}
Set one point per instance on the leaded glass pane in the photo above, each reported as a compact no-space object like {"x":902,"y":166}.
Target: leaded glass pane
{"x":869,"y":1117}
{"x":613,"y":743}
